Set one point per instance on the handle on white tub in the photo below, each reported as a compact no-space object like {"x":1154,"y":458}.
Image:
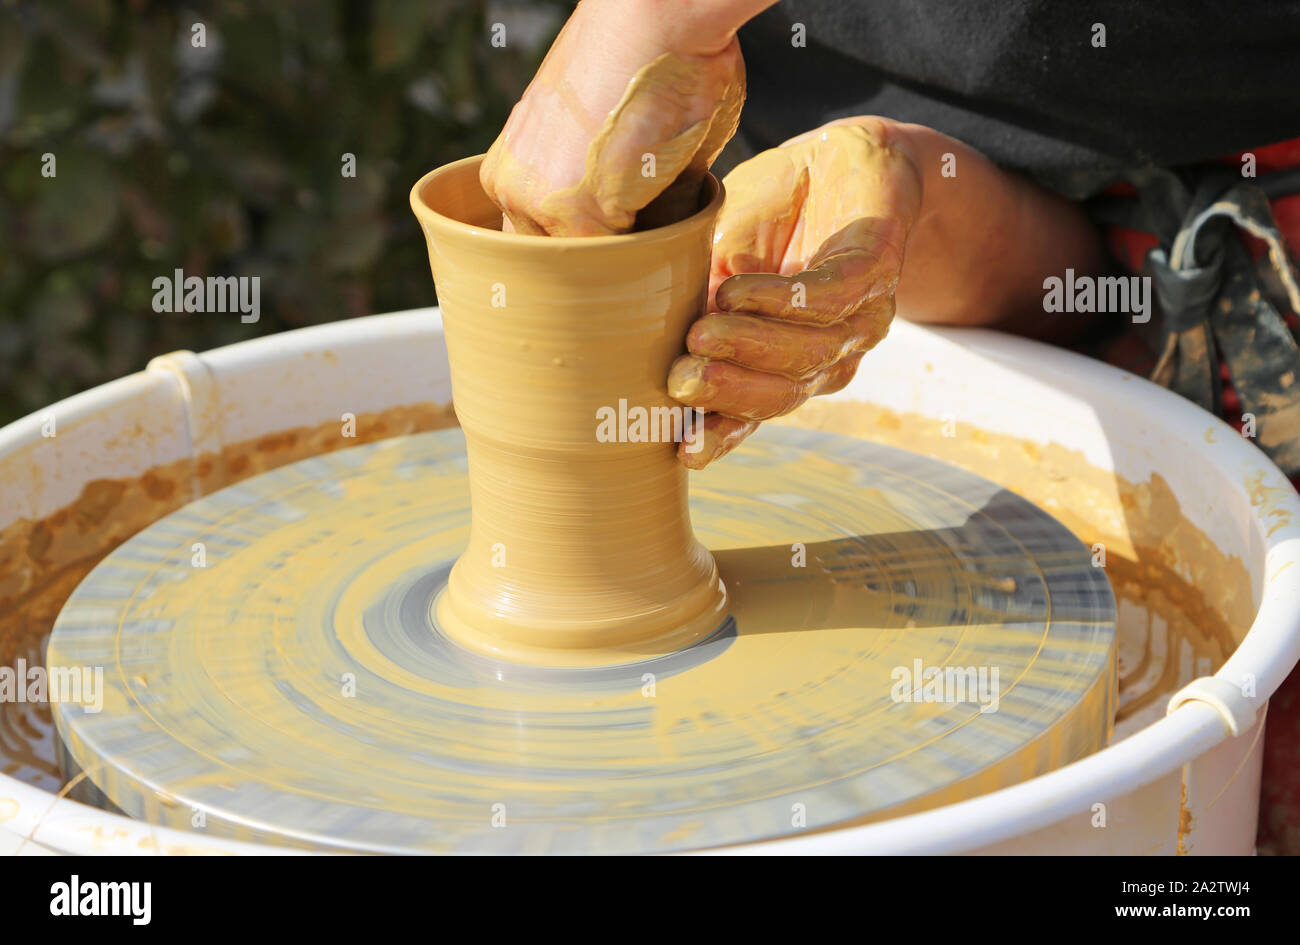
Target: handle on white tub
{"x":1235,"y":708}
{"x":197,"y":389}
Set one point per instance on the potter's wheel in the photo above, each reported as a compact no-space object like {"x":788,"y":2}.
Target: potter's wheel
{"x":295,"y":689}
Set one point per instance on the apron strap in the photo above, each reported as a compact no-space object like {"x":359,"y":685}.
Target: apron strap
{"x":1209,"y":295}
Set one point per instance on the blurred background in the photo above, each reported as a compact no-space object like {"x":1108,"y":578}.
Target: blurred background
{"x":227,"y":158}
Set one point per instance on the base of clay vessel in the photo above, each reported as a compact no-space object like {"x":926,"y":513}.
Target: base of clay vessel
{"x":903,"y":634}
{"x":536,"y":646}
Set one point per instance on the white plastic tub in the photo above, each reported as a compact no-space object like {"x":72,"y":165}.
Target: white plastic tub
{"x":1185,"y":782}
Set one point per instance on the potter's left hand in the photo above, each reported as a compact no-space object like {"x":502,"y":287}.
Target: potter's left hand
{"x":807,"y":256}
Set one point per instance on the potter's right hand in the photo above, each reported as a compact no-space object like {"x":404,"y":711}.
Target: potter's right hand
{"x":808,"y":253}
{"x":633,"y":102}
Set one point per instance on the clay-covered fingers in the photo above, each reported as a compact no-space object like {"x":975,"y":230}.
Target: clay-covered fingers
{"x":854,"y":267}
{"x":806,"y":259}
{"x":732,"y":390}
{"x":791,"y":349}
{"x":838,"y":375}
{"x":738,"y":399}
{"x":743,"y":393}
{"x":714,"y":437}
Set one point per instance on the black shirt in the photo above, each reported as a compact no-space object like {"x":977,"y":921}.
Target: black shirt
{"x":1023,"y":82}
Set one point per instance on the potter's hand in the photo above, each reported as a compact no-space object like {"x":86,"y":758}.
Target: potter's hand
{"x":807,"y":256}
{"x":630,"y":107}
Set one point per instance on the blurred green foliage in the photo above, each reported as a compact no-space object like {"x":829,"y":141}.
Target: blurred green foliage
{"x":226,"y":158}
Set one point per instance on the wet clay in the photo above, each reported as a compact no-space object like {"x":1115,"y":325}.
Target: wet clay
{"x":42,"y":561}
{"x":297,"y":690}
{"x":842,"y":189}
{"x":620,"y":188}
{"x":1183,"y":604}
{"x":581,"y":550}
{"x":805,"y":263}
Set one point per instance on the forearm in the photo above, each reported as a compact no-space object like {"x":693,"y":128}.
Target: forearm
{"x":985,"y":240}
{"x":698,"y":26}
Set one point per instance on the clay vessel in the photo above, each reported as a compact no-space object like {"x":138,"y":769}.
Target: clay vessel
{"x":580,"y":549}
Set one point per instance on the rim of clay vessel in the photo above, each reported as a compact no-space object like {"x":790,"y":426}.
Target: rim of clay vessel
{"x":472,"y":201}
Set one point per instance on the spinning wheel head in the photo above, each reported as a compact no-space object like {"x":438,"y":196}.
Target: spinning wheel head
{"x":900,"y":634}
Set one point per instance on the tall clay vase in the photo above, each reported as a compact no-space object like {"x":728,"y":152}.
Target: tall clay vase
{"x":580,"y":549}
